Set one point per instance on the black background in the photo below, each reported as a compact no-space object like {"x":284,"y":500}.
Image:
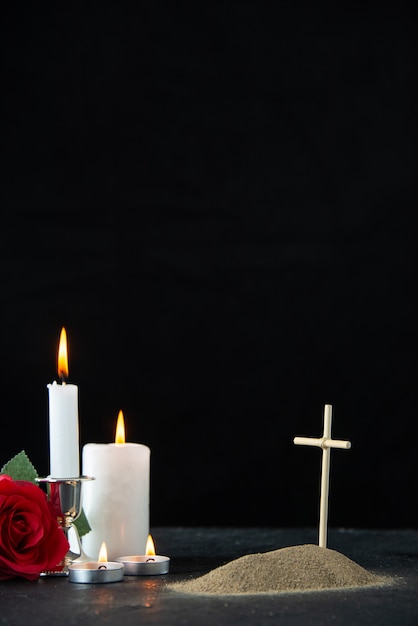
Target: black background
{"x":217,"y":201}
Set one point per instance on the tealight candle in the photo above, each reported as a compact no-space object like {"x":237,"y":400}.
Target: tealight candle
{"x":63,"y":420}
{"x":100,"y":571}
{"x":148,"y":564}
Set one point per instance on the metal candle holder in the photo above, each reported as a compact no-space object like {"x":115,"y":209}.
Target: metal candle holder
{"x":64,"y":496}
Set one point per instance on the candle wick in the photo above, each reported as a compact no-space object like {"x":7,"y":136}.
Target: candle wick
{"x":102,"y":567}
{"x":150,"y":559}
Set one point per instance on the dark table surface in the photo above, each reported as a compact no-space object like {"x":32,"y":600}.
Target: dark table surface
{"x":195,"y":551}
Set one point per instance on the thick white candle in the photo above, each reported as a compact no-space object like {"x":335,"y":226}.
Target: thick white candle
{"x":116,"y":503}
{"x":64,"y":448}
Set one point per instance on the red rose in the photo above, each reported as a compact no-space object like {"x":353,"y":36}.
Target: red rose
{"x":31,"y":540}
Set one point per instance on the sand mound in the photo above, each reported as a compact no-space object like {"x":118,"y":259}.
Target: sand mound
{"x":297,"y":568}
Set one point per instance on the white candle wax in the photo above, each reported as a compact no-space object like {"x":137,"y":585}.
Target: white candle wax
{"x":63,"y":431}
{"x":116,"y":503}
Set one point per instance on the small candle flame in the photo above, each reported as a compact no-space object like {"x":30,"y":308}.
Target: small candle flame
{"x":120,"y":429}
{"x":150,"y":548}
{"x":102,"y":553}
{"x":63,"y":355}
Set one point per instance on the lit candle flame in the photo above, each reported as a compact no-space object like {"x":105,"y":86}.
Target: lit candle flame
{"x":150,"y":549}
{"x":120,"y":429}
{"x":102,"y":553}
{"x":63,"y":355}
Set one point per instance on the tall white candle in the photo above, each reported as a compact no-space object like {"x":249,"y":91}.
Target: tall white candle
{"x":116,"y":503}
{"x":63,"y":421}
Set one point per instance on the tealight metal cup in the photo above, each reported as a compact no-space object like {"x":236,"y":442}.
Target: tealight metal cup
{"x":144,"y":565}
{"x":95,"y":572}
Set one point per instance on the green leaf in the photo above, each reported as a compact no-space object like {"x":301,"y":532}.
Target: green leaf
{"x":82,"y":524}
{"x":20,"y":468}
